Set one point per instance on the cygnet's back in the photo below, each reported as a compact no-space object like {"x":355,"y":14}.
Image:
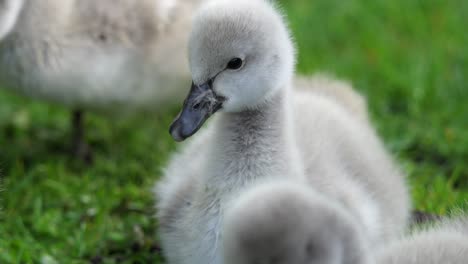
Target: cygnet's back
{"x":338,"y":91}
{"x":98,"y":54}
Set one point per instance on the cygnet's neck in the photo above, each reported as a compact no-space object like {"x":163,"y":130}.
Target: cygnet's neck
{"x":256,"y":144}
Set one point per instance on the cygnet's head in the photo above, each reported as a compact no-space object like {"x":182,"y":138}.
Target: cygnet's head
{"x":289,"y":223}
{"x":9,"y":11}
{"x":240,"y":55}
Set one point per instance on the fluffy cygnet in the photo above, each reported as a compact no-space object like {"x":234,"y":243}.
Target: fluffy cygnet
{"x":323,"y":160}
{"x":106,"y":55}
{"x":285,"y":222}
{"x":445,"y":242}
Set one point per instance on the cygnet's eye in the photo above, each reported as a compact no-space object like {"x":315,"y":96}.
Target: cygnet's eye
{"x":235,"y":64}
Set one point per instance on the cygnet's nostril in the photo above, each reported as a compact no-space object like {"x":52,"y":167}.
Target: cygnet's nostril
{"x":196,"y":106}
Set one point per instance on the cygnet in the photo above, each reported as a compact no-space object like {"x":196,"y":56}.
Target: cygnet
{"x":112,"y":56}
{"x":272,"y":157}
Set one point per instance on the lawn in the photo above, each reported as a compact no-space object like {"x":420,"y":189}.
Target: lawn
{"x":408,"y":57}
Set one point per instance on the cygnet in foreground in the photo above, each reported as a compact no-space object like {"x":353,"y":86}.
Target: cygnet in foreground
{"x":106,"y":55}
{"x":445,"y":242}
{"x":290,"y":170}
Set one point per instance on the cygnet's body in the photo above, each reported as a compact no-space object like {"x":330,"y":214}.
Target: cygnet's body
{"x":106,"y":55}
{"x":310,"y":147}
{"x":445,"y":242}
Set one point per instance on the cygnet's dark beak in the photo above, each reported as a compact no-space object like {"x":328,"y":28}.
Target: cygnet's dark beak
{"x":199,"y":105}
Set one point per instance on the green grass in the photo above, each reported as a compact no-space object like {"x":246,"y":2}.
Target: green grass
{"x":410,"y":58}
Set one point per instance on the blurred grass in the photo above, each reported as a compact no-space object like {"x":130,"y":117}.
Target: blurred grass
{"x":410,"y":58}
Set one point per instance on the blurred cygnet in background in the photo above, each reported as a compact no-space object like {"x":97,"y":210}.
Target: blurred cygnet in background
{"x":106,"y":55}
